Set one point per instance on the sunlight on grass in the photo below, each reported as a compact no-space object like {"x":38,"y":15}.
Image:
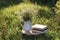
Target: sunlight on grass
{"x":43,"y":17}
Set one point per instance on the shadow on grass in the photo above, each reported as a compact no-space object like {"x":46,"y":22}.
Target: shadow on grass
{"x":6,"y":3}
{"x":38,"y":37}
{"x":45,"y":2}
{"x":46,"y":14}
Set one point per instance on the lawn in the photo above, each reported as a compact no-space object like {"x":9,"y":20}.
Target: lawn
{"x":42,"y":14}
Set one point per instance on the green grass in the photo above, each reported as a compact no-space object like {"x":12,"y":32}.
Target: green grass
{"x":44,"y":15}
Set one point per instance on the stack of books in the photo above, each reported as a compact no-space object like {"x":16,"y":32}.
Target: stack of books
{"x":39,"y":28}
